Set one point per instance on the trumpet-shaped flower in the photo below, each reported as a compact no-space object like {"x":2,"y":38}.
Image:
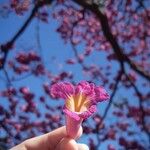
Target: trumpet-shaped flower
{"x":80,"y":102}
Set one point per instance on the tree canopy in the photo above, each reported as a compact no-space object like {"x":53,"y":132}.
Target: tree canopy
{"x":106,"y":42}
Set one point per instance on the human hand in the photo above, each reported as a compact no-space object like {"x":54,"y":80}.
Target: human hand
{"x":55,"y":140}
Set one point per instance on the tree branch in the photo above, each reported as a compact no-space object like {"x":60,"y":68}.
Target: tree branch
{"x":112,"y":95}
{"x":139,"y":95}
{"x":6,"y":47}
{"x":109,"y":105}
{"x":112,"y":40}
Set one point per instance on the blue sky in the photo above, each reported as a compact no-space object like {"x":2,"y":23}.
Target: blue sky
{"x":52,"y":46}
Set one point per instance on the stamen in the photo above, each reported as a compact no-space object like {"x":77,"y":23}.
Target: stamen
{"x":78,"y":103}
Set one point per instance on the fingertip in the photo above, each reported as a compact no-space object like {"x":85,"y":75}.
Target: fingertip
{"x":82,"y":147}
{"x":67,"y":144}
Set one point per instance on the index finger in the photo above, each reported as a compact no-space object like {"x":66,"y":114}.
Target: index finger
{"x":46,"y":141}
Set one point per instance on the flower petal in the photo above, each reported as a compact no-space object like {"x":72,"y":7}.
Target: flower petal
{"x":101,"y":94}
{"x":83,"y":87}
{"x":62,"y":90}
{"x":86,"y":89}
{"x":89,"y":112}
{"x":73,"y":115}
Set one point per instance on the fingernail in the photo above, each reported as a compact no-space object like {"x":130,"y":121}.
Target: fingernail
{"x":83,"y":147}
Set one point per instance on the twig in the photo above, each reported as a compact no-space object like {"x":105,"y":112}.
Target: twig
{"x":108,"y":106}
{"x":141,"y":107}
{"x":112,"y":96}
{"x":5,"y":48}
{"x":7,"y":77}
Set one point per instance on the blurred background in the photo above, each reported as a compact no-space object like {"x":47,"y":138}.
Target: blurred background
{"x":102,"y":41}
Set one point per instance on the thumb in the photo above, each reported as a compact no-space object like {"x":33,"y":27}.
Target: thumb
{"x":67,"y":144}
{"x":70,"y":144}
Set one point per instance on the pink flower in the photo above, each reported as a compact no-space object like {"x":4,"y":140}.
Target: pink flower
{"x":80,"y":102}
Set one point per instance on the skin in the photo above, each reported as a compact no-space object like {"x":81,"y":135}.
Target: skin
{"x":55,"y":140}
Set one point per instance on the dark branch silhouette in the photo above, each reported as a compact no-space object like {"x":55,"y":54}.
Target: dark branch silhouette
{"x":6,"y":47}
{"x":112,"y":40}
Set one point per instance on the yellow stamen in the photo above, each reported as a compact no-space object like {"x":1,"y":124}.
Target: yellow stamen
{"x":78,"y":103}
